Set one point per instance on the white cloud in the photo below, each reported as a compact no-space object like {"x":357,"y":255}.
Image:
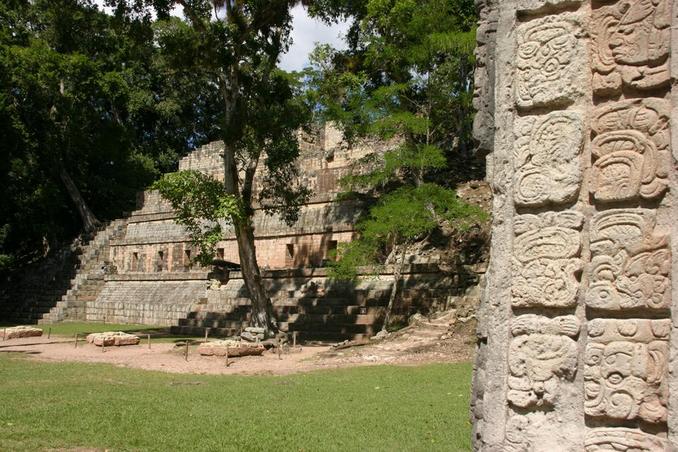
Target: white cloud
{"x":306,"y":32}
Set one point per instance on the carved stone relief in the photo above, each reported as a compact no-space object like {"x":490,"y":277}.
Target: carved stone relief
{"x":631,"y":46}
{"x":546,"y":158}
{"x":541,"y":354}
{"x":625,"y":369}
{"x":622,"y":440}
{"x":631,"y":262}
{"x":549,"y":60}
{"x":546,"y":263}
{"x":631,"y":150}
{"x":577,"y":330}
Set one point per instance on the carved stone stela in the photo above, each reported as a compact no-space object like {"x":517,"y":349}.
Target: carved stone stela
{"x":576,"y":326}
{"x":546,"y":263}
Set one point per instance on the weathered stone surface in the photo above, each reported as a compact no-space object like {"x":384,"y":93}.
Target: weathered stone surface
{"x":546,"y":160}
{"x":631,"y":150}
{"x":576,"y":341}
{"x":541,"y":353}
{"x":18,"y":332}
{"x":623,"y":440}
{"x":112,"y":338}
{"x":546,"y":262}
{"x":631,"y":262}
{"x":631,"y":43}
{"x":625,"y":369}
{"x":549,"y":59}
{"x":234,"y":348}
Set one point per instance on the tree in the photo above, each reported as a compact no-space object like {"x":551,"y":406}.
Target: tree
{"x":406,"y":79}
{"x":394,"y":225}
{"x":237,"y":44}
{"x":90,"y":113}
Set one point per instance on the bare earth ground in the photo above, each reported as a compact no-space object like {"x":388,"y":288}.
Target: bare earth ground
{"x":418,"y":344}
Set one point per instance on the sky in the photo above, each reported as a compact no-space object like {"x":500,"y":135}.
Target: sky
{"x":305,"y":33}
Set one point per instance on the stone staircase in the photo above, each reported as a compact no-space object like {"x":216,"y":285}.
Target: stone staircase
{"x":320,"y":310}
{"x":88,"y":281}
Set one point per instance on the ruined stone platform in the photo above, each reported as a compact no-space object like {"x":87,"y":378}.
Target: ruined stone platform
{"x":18,"y":332}
{"x":112,"y":338}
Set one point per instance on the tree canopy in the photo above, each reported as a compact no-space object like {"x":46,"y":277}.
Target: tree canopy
{"x":406,"y":79}
{"x":89,"y":96}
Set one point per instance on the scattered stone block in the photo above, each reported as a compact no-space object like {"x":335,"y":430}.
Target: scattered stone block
{"x":112,"y":338}
{"x":235,"y":348}
{"x":18,"y":332}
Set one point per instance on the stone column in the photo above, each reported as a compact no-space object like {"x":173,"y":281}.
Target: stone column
{"x":576,"y":321}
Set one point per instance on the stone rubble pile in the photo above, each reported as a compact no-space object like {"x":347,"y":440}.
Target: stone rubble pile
{"x":253,"y":333}
{"x":112,"y":338}
{"x":235,"y":348}
{"x":18,"y":332}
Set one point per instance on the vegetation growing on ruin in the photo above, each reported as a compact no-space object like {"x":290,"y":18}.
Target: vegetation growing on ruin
{"x":122,"y":409}
{"x":406,"y":79}
{"x":90,"y":113}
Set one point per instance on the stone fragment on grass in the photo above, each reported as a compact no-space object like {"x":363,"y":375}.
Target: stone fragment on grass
{"x":18,"y":332}
{"x":235,"y":348}
{"x":112,"y":338}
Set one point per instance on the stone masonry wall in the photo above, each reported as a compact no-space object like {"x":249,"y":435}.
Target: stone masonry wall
{"x":155,"y":282}
{"x":577,"y":343}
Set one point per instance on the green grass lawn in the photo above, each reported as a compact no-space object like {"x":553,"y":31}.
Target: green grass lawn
{"x":387,"y":408}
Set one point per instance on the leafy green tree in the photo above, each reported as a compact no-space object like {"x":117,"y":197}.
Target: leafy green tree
{"x":90,"y":113}
{"x":406,"y":79}
{"x":237,"y":45}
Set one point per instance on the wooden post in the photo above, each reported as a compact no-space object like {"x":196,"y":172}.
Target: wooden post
{"x":149,"y":341}
{"x":103,"y":345}
{"x":207,"y":332}
{"x":227,"y":363}
{"x":186,"y":351}
{"x":294,"y":339}
{"x":76,"y":340}
{"x":279,"y":348}
{"x":4,"y":334}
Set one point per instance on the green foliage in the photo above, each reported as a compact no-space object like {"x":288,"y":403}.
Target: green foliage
{"x":159,"y":411}
{"x":407,"y":80}
{"x":92,"y":94}
{"x":401,"y":218}
{"x":201,"y":205}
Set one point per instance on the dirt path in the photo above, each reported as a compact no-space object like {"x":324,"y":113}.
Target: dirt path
{"x":427,"y":342}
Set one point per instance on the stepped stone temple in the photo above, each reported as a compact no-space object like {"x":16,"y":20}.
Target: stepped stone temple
{"x":577,"y":343}
{"x":140,"y":269}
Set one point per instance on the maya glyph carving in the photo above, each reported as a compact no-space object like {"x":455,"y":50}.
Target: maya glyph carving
{"x":549,"y":61}
{"x":631,"y":45}
{"x":622,"y":440}
{"x":546,"y":260}
{"x":625,"y":369}
{"x":631,"y":262}
{"x":631,"y":150}
{"x":541,"y":353}
{"x":546,"y":158}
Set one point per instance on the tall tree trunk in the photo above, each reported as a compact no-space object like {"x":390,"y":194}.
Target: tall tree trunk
{"x":89,"y":220}
{"x":262,"y":308}
{"x":397,"y":276}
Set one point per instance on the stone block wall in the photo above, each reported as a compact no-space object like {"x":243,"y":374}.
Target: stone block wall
{"x":576,"y":346}
{"x":155,"y":282}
